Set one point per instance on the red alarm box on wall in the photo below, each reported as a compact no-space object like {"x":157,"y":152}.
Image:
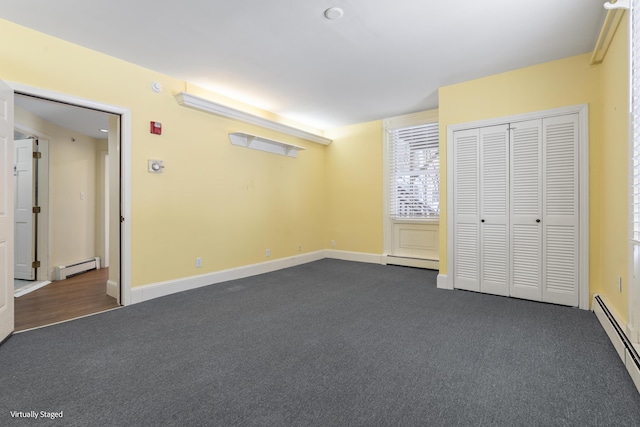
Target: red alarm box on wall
{"x":156,"y":128}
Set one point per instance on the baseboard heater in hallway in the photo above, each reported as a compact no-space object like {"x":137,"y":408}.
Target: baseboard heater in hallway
{"x":619,"y":339}
{"x":61,"y":272}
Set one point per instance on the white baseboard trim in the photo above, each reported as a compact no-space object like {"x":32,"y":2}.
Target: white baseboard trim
{"x":608,"y":327}
{"x":616,"y":330}
{"x":411,"y":262}
{"x":354,"y":256}
{"x":633,"y":334}
{"x":113,"y":290}
{"x":632,"y":368}
{"x":156,"y":290}
{"x":443,"y":282}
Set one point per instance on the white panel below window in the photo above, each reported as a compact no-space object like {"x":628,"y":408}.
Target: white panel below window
{"x":416,"y":240}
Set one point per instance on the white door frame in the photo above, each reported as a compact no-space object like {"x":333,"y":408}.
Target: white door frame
{"x":7,"y":315}
{"x":125,"y":167}
{"x":104,"y":209}
{"x":390,"y":225}
{"x":446,"y":281}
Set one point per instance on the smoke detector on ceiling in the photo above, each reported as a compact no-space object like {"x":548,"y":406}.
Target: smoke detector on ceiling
{"x":333,"y":13}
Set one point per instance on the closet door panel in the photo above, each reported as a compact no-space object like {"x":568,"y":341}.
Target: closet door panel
{"x":466,"y":210}
{"x":526,"y":251}
{"x":494,"y":269}
{"x":526,"y":210}
{"x":560,"y":218}
{"x":494,"y":208}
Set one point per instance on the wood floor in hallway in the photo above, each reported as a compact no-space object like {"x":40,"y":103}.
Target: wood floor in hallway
{"x":63,"y":300}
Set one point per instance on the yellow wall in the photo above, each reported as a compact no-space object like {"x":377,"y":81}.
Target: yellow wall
{"x":354,"y":188}
{"x":223,"y":203}
{"x":614,"y":188}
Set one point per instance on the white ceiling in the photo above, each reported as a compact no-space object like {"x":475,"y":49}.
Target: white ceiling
{"x":383,"y":58}
{"x":82,"y":120}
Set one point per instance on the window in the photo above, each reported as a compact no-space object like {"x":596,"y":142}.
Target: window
{"x":414,"y":172}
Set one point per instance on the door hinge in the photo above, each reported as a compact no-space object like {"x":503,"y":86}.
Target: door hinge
{"x":37,"y":155}
{"x":121,"y":219}
{"x":35,"y":264}
{"x":37,"y":209}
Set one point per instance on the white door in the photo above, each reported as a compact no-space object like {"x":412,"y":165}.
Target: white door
{"x":526,"y":210}
{"x":23,"y":209}
{"x":494,"y":210}
{"x":560,"y":216}
{"x":6,"y":211}
{"x":466,"y":210}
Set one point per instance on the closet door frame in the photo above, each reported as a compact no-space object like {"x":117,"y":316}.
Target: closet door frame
{"x":446,"y":280}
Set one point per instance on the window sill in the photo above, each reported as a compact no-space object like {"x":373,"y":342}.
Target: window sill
{"x":415,"y":220}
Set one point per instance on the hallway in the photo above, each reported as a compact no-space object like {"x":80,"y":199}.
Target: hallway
{"x":63,"y":300}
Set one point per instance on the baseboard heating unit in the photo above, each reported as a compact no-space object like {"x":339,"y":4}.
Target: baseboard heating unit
{"x":61,"y":272}
{"x":619,"y":339}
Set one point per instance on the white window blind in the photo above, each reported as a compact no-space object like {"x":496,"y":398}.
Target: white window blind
{"x":635,"y":105}
{"x":414,"y":175}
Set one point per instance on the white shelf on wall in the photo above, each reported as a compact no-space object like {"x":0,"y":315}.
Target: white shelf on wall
{"x":264,"y":144}
{"x":197,"y":103}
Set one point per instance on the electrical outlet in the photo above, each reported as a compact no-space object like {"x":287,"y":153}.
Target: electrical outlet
{"x":198,"y":262}
{"x":299,"y":248}
{"x":268,"y":253}
{"x":333,"y":243}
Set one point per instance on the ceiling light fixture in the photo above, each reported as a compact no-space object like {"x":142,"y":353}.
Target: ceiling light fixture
{"x":104,"y":130}
{"x":333,"y":13}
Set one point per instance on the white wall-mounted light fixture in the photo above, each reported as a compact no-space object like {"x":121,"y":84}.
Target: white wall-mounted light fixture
{"x":264,"y":144}
{"x":620,"y":4}
{"x":197,"y":103}
{"x":615,"y":13}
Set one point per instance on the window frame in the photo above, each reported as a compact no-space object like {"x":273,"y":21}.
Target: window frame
{"x":408,"y":120}
{"x":415,"y":161}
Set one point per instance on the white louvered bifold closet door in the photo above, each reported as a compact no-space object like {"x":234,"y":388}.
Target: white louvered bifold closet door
{"x":494,"y":210}
{"x":466,"y":210}
{"x":560,"y":214}
{"x":526,"y":210}
{"x":516,"y":210}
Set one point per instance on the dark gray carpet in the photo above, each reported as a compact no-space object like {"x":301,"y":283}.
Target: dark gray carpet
{"x":330,"y":343}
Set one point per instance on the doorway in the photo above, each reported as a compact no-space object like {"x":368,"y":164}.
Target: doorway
{"x":70,"y":238}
